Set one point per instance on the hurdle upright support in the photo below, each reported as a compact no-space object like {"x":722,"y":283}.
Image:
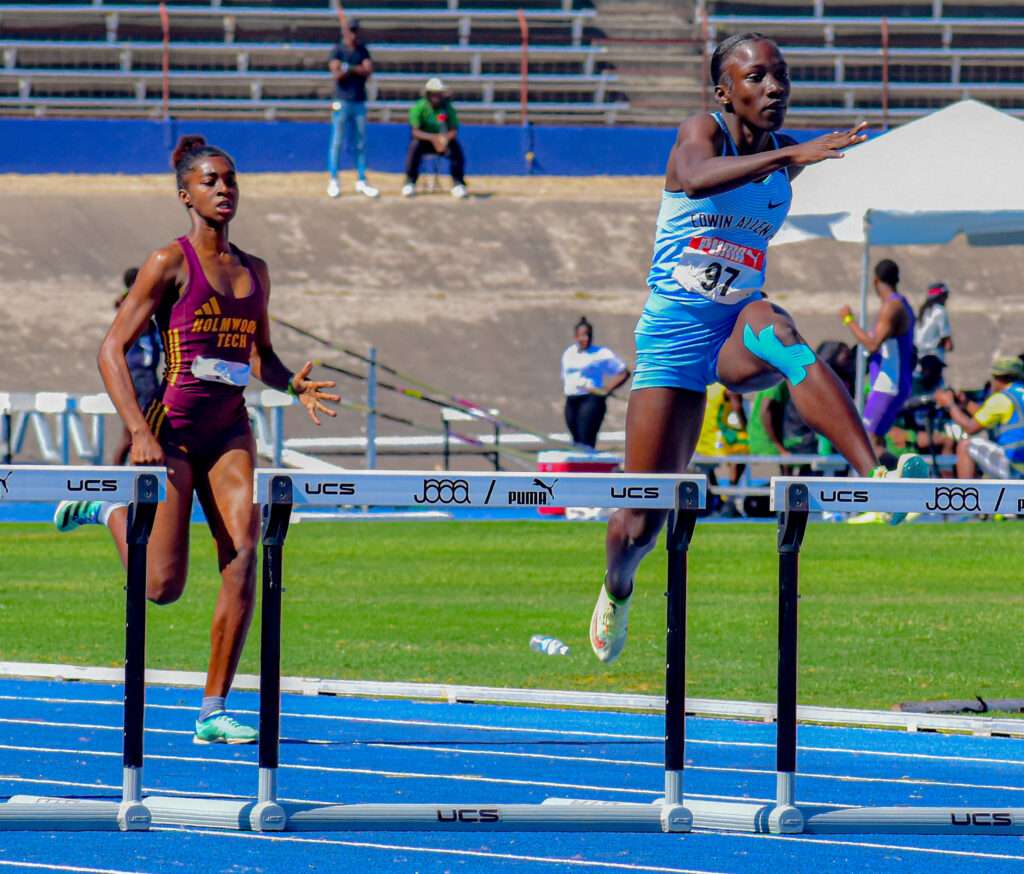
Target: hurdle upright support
{"x":794,"y":499}
{"x":279,"y":490}
{"x":142,"y":489}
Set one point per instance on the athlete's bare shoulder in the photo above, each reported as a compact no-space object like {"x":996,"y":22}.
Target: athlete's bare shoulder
{"x":701,"y":127}
{"x":165,"y":263}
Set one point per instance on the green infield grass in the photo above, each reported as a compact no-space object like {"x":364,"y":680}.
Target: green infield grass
{"x":887,"y":614}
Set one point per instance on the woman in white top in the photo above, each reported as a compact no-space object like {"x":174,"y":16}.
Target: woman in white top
{"x":933,"y":334}
{"x":589,"y":373}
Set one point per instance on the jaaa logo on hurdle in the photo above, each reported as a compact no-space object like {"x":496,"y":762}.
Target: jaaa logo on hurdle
{"x":955,"y":499}
{"x":443,"y":491}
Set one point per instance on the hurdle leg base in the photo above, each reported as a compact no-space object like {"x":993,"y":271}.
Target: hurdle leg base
{"x":676,"y":819}
{"x":199,"y":812}
{"x":915,"y":821}
{"x":268,"y":816}
{"x":133,"y":816}
{"x":553,"y":815}
{"x":38,"y":813}
{"x":785,"y":819}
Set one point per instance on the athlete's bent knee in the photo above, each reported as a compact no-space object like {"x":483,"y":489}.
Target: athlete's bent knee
{"x":645,"y":535}
{"x":780,"y":346}
{"x":164,"y":589}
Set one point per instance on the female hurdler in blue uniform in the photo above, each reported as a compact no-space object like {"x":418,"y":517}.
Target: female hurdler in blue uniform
{"x":727,"y":192}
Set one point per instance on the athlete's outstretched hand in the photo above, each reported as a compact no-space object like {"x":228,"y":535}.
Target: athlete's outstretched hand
{"x":146,"y":449}
{"x":826,"y":147}
{"x":310,"y":394}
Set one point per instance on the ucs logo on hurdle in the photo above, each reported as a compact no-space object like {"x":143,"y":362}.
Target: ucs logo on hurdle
{"x":468,"y":814}
{"x":93,"y":486}
{"x":955,"y":498}
{"x":999,"y":818}
{"x":443,"y":491}
{"x":345,"y":490}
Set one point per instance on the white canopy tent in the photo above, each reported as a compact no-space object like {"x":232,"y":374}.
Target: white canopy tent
{"x":957,"y":171}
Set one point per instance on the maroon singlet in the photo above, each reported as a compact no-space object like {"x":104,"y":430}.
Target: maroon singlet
{"x":191,"y":416}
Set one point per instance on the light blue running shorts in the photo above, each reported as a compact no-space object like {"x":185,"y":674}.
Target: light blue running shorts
{"x":677,"y":344}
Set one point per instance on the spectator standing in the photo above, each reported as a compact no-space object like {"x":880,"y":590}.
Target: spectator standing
{"x":434,"y":125}
{"x":933,"y":334}
{"x":143,"y":360}
{"x":1002,"y":414}
{"x":350,"y":65}
{"x":589,"y":374}
{"x":891,"y":347}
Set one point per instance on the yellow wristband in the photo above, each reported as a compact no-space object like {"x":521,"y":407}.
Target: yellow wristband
{"x":848,"y":319}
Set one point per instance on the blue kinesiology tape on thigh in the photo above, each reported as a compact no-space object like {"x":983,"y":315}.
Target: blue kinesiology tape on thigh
{"x":791,"y":361}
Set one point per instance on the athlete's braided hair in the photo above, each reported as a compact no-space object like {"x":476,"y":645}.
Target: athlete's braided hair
{"x":583,"y":323}
{"x":190,"y":149}
{"x":727,"y":46}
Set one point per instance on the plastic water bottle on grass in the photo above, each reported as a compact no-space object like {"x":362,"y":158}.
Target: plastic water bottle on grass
{"x":548,"y":645}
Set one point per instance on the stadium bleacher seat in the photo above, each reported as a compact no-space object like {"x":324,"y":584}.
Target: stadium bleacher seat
{"x":938,"y":52}
{"x":229,"y":58}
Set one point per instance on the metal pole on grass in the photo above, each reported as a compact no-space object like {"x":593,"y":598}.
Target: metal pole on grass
{"x":792,"y":525}
{"x":371,"y":412}
{"x":682,"y":521}
{"x":267,"y":815}
{"x":865,"y":270}
{"x":141,"y":512}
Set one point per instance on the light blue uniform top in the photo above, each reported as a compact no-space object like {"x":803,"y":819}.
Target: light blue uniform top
{"x":714,"y":249}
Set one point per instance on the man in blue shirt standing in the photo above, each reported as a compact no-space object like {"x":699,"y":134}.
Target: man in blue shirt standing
{"x":350,"y":65}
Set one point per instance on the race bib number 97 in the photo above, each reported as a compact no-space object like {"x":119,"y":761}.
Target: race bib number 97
{"x":720,"y":270}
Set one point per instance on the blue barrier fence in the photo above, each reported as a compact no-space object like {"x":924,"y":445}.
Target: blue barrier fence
{"x":139,"y":146}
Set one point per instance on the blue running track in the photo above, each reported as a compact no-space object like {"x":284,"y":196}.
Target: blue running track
{"x":64,"y":739}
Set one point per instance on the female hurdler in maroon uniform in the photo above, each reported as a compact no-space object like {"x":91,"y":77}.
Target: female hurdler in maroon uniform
{"x":210,"y":301}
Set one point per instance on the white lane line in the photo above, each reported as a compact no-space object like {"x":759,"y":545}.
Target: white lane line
{"x":42,"y":866}
{"x":373,"y":772}
{"x":804,"y":839}
{"x":157,"y":790}
{"x":150,"y":790}
{"x":980,"y":760}
{"x":369,"y":720}
{"x":444,"y":851}
{"x":87,"y":726}
{"x":463,"y":751}
{"x":329,"y":769}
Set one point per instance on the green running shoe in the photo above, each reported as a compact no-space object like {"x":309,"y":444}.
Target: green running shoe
{"x":71,"y":514}
{"x":609,"y":625}
{"x":909,"y":466}
{"x":219,"y":728}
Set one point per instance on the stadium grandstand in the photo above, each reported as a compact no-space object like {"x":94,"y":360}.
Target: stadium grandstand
{"x":566,"y":61}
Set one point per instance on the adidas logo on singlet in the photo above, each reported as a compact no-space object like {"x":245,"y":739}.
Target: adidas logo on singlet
{"x":210,"y":308}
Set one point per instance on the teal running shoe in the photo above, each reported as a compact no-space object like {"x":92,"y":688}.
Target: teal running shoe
{"x":219,"y":728}
{"x":909,"y":466}
{"x":71,"y":514}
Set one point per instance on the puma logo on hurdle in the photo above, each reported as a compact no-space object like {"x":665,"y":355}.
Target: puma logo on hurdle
{"x":533,"y":497}
{"x":4,"y":488}
{"x":550,"y":489}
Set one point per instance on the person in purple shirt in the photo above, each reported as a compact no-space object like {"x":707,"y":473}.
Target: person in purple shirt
{"x":891,"y":347}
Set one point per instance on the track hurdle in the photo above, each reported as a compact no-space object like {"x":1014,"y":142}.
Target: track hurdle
{"x":795,"y":498}
{"x":142,"y":488}
{"x":279,"y":491}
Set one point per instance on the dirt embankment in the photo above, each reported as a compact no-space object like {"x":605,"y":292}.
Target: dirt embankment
{"x":479,"y":296}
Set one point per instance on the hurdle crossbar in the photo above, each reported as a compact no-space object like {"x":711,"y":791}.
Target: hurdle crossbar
{"x":142,"y":488}
{"x":795,"y":498}
{"x":279,"y":491}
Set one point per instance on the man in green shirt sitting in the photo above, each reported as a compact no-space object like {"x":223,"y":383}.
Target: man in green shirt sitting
{"x":435,"y":127}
